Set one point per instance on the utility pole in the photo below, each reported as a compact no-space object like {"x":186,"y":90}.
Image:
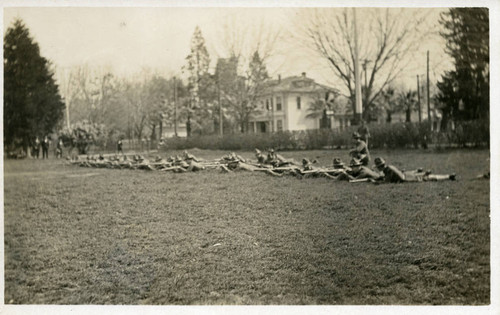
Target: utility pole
{"x":67,"y":115}
{"x":68,"y":99}
{"x":428,"y":94}
{"x":365,"y":63}
{"x":359,"y":104}
{"x":418,"y":96}
{"x":272,"y":114}
{"x":221,"y":127}
{"x":175,"y":107}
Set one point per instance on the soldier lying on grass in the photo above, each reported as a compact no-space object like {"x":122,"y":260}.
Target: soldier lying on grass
{"x":278,"y":160}
{"x":341,"y":171}
{"x":188,"y":157}
{"x":359,"y":173}
{"x":308,"y":170}
{"x":394,"y":175}
{"x":261,"y":159}
{"x":179,"y":165}
{"x":231,"y":157}
{"x":239,"y":165}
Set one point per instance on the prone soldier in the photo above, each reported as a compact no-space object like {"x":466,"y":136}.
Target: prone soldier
{"x":278,"y":160}
{"x":189,"y":157}
{"x":261,"y":159}
{"x":360,"y":173}
{"x":394,"y":175}
{"x":239,"y":165}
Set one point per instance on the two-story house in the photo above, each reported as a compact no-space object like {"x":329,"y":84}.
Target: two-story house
{"x":288,"y":104}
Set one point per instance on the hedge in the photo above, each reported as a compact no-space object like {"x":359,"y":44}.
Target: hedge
{"x":392,"y":136}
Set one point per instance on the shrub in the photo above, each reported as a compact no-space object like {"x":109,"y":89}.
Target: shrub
{"x":392,"y":136}
{"x":82,"y":135}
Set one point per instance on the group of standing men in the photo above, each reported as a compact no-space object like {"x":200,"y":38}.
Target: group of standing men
{"x":44,"y":145}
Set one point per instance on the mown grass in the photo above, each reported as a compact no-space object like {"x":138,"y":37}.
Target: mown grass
{"x":97,"y":236}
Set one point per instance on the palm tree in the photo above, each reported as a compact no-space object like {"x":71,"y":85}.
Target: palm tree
{"x":388,"y":102}
{"x":407,"y":101}
{"x":319,"y":107}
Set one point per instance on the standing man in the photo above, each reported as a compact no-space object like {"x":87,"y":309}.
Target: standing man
{"x":119,"y":146}
{"x":45,"y":147}
{"x":59,"y":149}
{"x":36,"y":148}
{"x":364,"y":132}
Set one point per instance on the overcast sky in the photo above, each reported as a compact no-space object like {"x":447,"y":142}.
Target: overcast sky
{"x":126,"y":40}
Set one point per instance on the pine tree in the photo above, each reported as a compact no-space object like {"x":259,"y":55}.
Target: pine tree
{"x":256,"y":80}
{"x":200,"y":82}
{"x":32,"y":104}
{"x":241,"y":92}
{"x":466,"y":31}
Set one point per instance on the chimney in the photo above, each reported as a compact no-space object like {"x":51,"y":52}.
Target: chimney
{"x":303,"y":74}
{"x":279,"y":78}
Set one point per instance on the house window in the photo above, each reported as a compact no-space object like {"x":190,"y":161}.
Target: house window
{"x":279,"y":125}
{"x":298,"y":102}
{"x":267,"y":105}
{"x":278,"y":102}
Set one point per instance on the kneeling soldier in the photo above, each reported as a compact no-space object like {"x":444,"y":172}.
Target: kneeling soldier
{"x":360,"y":152}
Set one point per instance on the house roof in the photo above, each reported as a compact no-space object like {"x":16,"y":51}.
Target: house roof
{"x":296,"y":84}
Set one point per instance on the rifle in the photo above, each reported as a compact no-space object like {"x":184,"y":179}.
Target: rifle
{"x":362,"y":180}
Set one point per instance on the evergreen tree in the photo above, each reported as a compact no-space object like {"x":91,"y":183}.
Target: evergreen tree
{"x":200,"y":83}
{"x":241,"y":92}
{"x":32,"y":104}
{"x":256,"y":80}
{"x":465,"y":90}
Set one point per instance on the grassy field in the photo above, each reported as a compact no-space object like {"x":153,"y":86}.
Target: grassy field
{"x":97,"y":236}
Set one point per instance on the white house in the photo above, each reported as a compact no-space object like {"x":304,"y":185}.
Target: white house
{"x":286,"y":105}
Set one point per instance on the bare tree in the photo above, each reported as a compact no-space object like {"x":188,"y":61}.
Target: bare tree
{"x":91,"y":94}
{"x":135,"y":99}
{"x":388,"y":37}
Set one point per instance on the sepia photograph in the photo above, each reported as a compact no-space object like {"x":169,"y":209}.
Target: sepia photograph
{"x":161,"y":154}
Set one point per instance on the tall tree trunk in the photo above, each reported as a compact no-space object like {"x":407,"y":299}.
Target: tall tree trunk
{"x":153,"y":133}
{"x":188,"y":126}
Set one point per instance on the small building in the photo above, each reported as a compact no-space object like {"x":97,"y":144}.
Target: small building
{"x":294,"y":103}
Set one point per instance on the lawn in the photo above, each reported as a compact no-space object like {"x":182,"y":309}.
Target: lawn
{"x":78,"y":235}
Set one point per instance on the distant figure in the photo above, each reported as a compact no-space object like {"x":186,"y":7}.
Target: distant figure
{"x":36,"y":148}
{"x":119,"y":146}
{"x":364,"y":132}
{"x":161,"y":144}
{"x":59,"y":149}
{"x":45,"y":147}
